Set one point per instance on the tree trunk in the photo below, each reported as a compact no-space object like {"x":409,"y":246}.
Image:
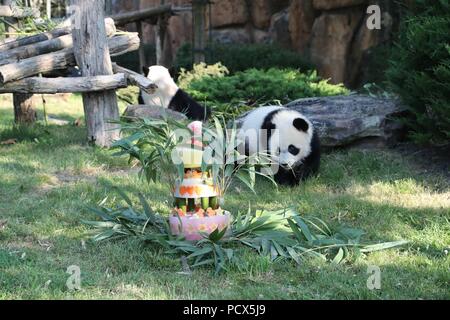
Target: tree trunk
{"x":24,"y":112}
{"x":92,"y":55}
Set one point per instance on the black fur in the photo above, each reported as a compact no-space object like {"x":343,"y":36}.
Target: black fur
{"x":269,"y":125}
{"x":309,"y":166}
{"x":182,"y":102}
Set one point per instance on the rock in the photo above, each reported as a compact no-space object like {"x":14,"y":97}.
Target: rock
{"x":261,"y":36}
{"x":229,"y":12}
{"x":331,"y":38}
{"x":364,"y":40}
{"x":334,"y":4}
{"x":261,"y":12}
{"x":345,"y":120}
{"x":231,"y":35}
{"x":148,"y":111}
{"x":301,"y":21}
{"x":279,"y":29}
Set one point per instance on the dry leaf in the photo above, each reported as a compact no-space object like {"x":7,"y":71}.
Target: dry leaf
{"x":8,"y":142}
{"x":78,"y":122}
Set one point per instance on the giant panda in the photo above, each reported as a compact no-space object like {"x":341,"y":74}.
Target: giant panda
{"x":168,"y":95}
{"x":288,"y":136}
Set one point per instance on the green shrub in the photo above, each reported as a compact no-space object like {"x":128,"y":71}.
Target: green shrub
{"x":419,"y":71}
{"x":233,"y":94}
{"x":242,"y":57}
{"x":201,"y":71}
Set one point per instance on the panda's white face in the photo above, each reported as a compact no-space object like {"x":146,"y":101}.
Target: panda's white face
{"x":166,"y":87}
{"x":291,"y":141}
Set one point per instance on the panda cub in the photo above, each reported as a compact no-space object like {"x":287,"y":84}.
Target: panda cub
{"x":288,"y":136}
{"x":168,"y":95}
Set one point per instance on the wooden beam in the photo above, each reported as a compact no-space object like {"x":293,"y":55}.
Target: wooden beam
{"x":13,"y":11}
{"x":41,"y":85}
{"x":139,"y":15}
{"x":136,"y":79}
{"x":39,"y":48}
{"x":93,"y":58}
{"x":62,"y":59}
{"x":8,"y":45}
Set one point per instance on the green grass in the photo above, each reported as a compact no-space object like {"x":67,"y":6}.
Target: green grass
{"x":49,"y":177}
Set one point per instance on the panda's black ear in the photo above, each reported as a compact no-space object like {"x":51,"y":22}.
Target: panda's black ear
{"x":145,"y":70}
{"x":301,"y":125}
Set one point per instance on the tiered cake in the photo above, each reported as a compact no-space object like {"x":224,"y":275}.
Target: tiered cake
{"x":197,"y":211}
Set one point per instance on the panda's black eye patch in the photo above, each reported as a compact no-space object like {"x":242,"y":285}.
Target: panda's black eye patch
{"x":293,"y":150}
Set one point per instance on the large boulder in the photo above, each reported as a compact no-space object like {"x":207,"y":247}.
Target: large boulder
{"x":232,"y":35}
{"x":301,"y":16}
{"x":229,"y":13}
{"x":331,"y":40}
{"x":261,"y":12}
{"x":279,"y":29}
{"x":155,"y":112}
{"x":345,"y":120}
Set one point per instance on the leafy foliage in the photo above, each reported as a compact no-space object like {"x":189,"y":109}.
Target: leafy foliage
{"x":233,"y":94}
{"x":282,"y":234}
{"x":152,"y":143}
{"x":200,"y":71}
{"x":239,"y":57}
{"x":419,"y":72}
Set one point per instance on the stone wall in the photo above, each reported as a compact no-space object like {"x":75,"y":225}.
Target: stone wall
{"x":331,"y":33}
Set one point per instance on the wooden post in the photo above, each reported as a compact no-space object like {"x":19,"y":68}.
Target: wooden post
{"x":160,"y":36}
{"x":198,"y":23}
{"x":92,"y":55}
{"x":140,"y":30}
{"x":24,"y":108}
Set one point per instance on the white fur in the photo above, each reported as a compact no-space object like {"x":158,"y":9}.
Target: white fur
{"x":167,"y":88}
{"x":284,"y":135}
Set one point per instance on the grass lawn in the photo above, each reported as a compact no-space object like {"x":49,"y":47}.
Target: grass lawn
{"x":50,"y":175}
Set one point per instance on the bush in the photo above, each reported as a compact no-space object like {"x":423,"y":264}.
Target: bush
{"x":242,"y":57}
{"x":231,"y":95}
{"x":419,"y":71}
{"x":199,"y":72}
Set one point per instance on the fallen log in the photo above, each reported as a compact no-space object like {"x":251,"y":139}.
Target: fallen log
{"x":39,"y":85}
{"x":136,"y":79}
{"x":133,"y":16}
{"x":18,"y":12}
{"x":62,"y":59}
{"x":43,"y":47}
